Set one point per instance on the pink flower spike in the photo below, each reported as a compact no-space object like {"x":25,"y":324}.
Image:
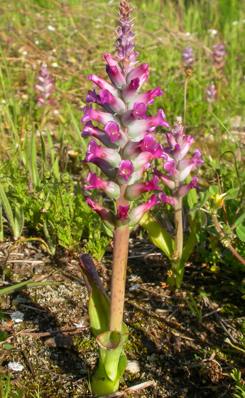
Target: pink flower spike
{"x":44,"y":87}
{"x":101,"y":83}
{"x":98,"y":116}
{"x":137,"y":213}
{"x":122,"y":212}
{"x":184,"y":189}
{"x":103,"y":213}
{"x":141,"y":72}
{"x":170,"y":200}
{"x":114,"y":72}
{"x":125,"y":170}
{"x":112,"y":131}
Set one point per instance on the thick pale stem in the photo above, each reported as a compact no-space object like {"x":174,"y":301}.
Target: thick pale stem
{"x":118,"y":282}
{"x":178,"y":218}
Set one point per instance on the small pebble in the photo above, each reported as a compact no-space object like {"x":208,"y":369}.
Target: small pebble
{"x":15,"y":366}
{"x":133,"y":367}
{"x":17,"y":316}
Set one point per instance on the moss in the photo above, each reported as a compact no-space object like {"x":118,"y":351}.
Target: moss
{"x":85,"y":344}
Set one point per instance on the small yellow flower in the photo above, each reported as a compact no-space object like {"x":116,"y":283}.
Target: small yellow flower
{"x":218,"y":199}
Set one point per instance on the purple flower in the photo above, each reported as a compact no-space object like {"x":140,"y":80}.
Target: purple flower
{"x":135,"y":190}
{"x":187,"y":165}
{"x":91,"y":131}
{"x":103,"y":213}
{"x":145,"y":98}
{"x":109,"y":187}
{"x":139,"y":128}
{"x":211,"y":93}
{"x":140,"y":74}
{"x":188,"y":57}
{"x":91,"y":114}
{"x":184,"y":189}
{"x":112,"y":130}
{"x":102,"y":84}
{"x":108,"y":101}
{"x":218,"y":55}
{"x":125,"y":170}
{"x":114,"y":72}
{"x":44,"y":86}
{"x":122,"y":212}
{"x":165,"y":199}
{"x":126,"y":53}
{"x":96,"y":151}
{"x":137,"y":213}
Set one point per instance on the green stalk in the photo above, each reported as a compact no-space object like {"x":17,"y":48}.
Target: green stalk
{"x":177,"y":269}
{"x":185,"y":95}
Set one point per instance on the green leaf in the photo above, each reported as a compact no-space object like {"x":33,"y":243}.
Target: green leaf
{"x":7,"y":208}
{"x":240,"y":230}
{"x":101,"y":385}
{"x":8,"y":346}
{"x":158,"y":235}
{"x":11,"y":289}
{"x":99,"y":306}
{"x":232,"y":193}
{"x":240,"y":220}
{"x":111,"y":344}
{"x":33,"y":161}
{"x":192,"y":198}
{"x":112,"y":360}
{"x":3,"y":336}
{"x":190,"y":242}
{"x":1,"y":223}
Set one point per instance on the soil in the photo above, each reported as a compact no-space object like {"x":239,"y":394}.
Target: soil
{"x":186,"y":342}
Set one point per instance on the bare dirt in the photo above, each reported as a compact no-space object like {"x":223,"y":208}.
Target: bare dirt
{"x":186,"y":342}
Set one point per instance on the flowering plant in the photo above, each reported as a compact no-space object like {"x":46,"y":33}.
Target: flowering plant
{"x":177,"y":168}
{"x":123,"y":147}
